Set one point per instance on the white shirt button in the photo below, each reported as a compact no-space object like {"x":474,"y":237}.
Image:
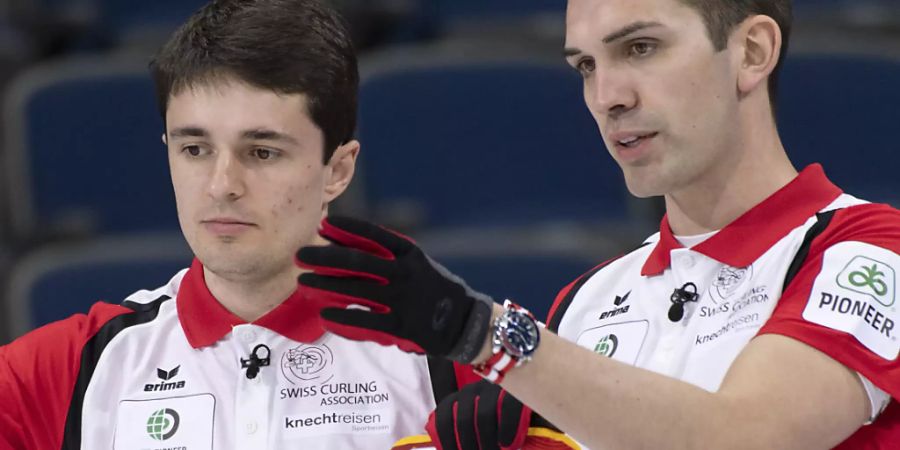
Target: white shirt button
{"x":251,"y":427}
{"x":248,"y":336}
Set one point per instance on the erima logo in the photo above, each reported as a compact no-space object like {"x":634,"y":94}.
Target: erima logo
{"x":618,"y":302}
{"x":166,"y":384}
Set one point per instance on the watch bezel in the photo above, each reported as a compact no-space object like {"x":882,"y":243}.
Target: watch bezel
{"x":517,"y":333}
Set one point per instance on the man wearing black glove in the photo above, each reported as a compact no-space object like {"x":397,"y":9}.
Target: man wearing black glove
{"x":481,"y":415}
{"x":372,"y":267}
{"x":377,"y":268}
{"x":762,"y":315}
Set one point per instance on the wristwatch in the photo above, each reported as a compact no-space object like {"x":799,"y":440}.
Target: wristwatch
{"x":515,"y":335}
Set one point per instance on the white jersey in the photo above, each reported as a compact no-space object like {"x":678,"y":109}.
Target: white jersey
{"x":798,"y":264}
{"x":164,"y":371}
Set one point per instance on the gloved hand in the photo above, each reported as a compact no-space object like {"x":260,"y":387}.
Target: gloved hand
{"x":411,"y":301}
{"x":481,"y":416}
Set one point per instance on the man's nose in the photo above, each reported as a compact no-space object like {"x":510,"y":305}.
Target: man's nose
{"x":227,"y":181}
{"x":610,"y":93}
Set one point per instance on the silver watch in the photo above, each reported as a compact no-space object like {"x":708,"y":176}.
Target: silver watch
{"x":516,"y":333}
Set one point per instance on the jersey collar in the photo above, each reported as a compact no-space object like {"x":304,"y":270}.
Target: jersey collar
{"x":743,"y":241}
{"x":205,"y":321}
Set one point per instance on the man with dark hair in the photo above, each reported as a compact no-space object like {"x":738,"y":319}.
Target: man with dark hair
{"x":762,"y":315}
{"x":259,"y":101}
{"x":722,"y":16}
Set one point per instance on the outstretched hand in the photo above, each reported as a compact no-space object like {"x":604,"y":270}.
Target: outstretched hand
{"x":381,"y":287}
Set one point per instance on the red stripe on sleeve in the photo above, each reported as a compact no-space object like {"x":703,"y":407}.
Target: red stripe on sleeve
{"x":878,"y":225}
{"x":37,"y":378}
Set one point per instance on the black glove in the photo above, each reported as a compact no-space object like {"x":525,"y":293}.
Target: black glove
{"x":481,"y":416}
{"x":412,"y":301}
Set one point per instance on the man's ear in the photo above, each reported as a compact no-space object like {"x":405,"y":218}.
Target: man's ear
{"x":343,"y":166}
{"x":759,"y":42}
{"x":164,"y":140}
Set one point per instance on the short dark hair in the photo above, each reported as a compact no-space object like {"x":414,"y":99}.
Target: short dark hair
{"x":287,"y":46}
{"x":721,"y":16}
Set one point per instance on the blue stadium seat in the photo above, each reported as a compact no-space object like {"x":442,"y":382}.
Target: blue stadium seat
{"x":129,"y":20}
{"x":64,"y":279}
{"x":860,"y":14}
{"x":498,"y":9}
{"x":842,"y":111}
{"x":84,"y":150}
{"x":454,"y":142}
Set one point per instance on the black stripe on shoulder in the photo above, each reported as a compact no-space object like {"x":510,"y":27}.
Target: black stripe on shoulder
{"x":443,"y":377}
{"x":553,"y":323}
{"x":90,"y":355}
{"x":146,"y":307}
{"x":823,"y":219}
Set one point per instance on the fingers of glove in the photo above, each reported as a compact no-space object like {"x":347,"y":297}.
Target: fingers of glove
{"x":488,"y":418}
{"x":340,"y":261}
{"x":359,"y":325}
{"x":345,"y":291}
{"x":445,"y":424}
{"x":466,"y":423}
{"x":514,"y":420}
{"x":431,"y":429}
{"x":365,"y":236}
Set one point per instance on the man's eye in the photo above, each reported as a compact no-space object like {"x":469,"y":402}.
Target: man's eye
{"x":585,"y":66}
{"x":642,"y":48}
{"x":193,"y":150}
{"x":263,"y":153}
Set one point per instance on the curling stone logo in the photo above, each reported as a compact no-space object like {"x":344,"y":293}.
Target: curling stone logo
{"x":307,"y":363}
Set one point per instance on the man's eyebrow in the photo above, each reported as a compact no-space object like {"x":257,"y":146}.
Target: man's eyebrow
{"x":262,"y":134}
{"x":629,"y":29}
{"x":188,"y":132}
{"x":571,"y":51}
{"x":619,"y":34}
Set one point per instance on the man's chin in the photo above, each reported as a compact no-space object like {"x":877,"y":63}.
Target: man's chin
{"x":225,"y":259}
{"x":644,"y":187}
{"x":229,"y":269}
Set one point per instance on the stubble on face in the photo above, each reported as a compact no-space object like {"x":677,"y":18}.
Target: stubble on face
{"x":679,"y":91}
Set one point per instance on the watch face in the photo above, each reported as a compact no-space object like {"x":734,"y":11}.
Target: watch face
{"x":521,"y":335}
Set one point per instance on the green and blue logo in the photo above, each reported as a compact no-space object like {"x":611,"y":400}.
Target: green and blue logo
{"x":163,"y":424}
{"x":607,"y":345}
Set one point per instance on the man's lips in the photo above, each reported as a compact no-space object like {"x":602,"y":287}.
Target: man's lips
{"x":227,"y":225}
{"x":631,"y":147}
{"x":631,"y":139}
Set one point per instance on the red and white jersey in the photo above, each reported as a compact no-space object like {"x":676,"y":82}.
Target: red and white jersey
{"x":809,"y":262}
{"x":163,"y":371}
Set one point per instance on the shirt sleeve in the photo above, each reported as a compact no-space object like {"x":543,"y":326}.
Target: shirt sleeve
{"x":12,"y":436}
{"x":843,"y":299}
{"x":37,"y":377}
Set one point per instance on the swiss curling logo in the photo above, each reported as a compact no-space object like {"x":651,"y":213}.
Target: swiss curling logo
{"x":729,"y":280}
{"x":307,"y":363}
